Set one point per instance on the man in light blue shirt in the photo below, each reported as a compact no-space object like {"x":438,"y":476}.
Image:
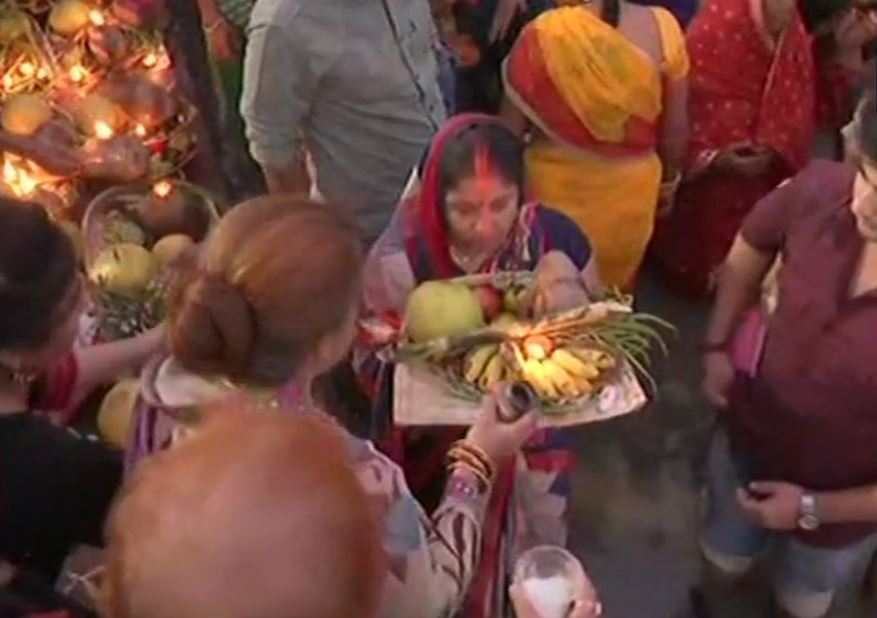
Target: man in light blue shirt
{"x":353,"y":81}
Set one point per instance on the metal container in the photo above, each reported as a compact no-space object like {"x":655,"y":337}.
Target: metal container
{"x":515,"y":400}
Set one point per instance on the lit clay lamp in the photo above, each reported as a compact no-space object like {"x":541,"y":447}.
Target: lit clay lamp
{"x":165,"y":211}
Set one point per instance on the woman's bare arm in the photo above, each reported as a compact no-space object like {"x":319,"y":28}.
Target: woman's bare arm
{"x":673,"y":137}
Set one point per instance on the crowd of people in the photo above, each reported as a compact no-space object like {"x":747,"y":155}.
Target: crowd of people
{"x":392,"y":142}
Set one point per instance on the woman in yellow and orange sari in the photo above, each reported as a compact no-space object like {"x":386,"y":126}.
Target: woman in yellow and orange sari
{"x":602,"y":89}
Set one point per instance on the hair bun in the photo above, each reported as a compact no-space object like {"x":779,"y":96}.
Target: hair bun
{"x":213,"y":329}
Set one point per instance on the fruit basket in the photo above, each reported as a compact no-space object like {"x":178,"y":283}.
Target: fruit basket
{"x":131,"y":235}
{"x":585,"y":363}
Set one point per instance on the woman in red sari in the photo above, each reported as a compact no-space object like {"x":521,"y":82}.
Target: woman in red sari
{"x":752,"y":121}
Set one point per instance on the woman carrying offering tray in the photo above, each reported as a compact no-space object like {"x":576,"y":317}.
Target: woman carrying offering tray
{"x":467,"y":213}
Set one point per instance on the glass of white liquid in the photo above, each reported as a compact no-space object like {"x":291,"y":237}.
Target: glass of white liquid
{"x":553,"y":580}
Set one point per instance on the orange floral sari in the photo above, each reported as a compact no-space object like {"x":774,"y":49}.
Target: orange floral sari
{"x":597,"y":99}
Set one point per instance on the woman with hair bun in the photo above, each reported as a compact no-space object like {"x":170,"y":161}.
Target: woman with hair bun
{"x":270,"y":305}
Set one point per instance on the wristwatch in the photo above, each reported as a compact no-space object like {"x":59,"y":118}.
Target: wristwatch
{"x":808,"y":518}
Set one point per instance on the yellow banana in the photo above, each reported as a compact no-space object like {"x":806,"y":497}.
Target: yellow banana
{"x":583,"y":387}
{"x":575,"y":366}
{"x":477,"y":360}
{"x":534,"y":373}
{"x":492,"y":373}
{"x":562,"y":381}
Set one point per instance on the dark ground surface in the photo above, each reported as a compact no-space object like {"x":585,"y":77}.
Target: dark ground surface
{"x":636,"y":492}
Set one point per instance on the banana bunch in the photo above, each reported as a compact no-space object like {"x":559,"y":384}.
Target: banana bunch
{"x":486,"y":366}
{"x":567,"y":373}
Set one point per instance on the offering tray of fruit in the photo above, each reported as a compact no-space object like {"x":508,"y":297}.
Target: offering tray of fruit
{"x":132,"y":234}
{"x":584,"y":362}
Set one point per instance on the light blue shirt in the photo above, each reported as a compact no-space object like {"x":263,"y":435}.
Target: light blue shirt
{"x":358,"y":79}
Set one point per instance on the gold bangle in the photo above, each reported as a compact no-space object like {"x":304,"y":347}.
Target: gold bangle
{"x":471,"y":461}
{"x":462,"y":446}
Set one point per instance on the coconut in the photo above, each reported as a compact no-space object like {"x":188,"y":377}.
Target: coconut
{"x":442,"y":309}
{"x":23,"y":114}
{"x":116,"y":412}
{"x":96,"y":108}
{"x":69,"y":17}
{"x":124,"y":269}
{"x":171,"y":247}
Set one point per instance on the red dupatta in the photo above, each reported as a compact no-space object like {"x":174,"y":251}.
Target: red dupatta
{"x":426,"y":238}
{"x":746,"y":87}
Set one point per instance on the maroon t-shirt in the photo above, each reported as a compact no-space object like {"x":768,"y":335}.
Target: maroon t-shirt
{"x":810,"y":417}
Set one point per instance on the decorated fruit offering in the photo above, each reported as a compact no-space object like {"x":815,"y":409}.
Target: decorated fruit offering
{"x":116,"y":412}
{"x":69,"y":17}
{"x":23,"y":114}
{"x":171,"y":247}
{"x":124,"y":270}
{"x":442,"y":309}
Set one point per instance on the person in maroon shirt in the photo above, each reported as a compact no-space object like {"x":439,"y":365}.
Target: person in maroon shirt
{"x":801,"y":470}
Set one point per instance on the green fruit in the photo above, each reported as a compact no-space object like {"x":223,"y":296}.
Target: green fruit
{"x":69,"y":17}
{"x":119,"y":229}
{"x":442,"y":309}
{"x":116,"y":412}
{"x":124,"y":269}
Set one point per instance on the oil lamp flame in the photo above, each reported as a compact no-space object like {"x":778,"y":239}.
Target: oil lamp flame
{"x":21,"y":183}
{"x":42,"y":73}
{"x":77,"y":73}
{"x":162,"y":188}
{"x":103,"y":130}
{"x":537,"y":347}
{"x":26,"y":183}
{"x":96,"y":17}
{"x":535,"y":351}
{"x":8,"y":82}
{"x":27,"y":69}
{"x":140,"y":130}
{"x":10,"y":174}
{"x":150,"y":60}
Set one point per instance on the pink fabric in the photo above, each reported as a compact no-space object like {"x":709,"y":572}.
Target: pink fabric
{"x":748,"y":344}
